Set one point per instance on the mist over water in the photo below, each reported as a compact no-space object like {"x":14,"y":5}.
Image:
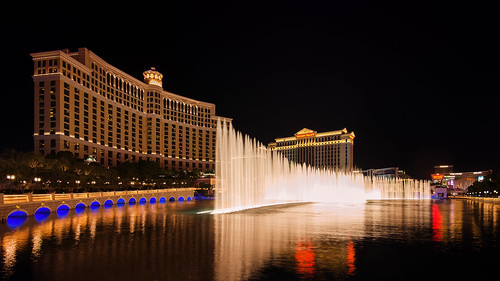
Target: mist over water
{"x":248,"y":175}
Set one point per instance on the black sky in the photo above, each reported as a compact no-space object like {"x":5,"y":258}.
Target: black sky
{"x":417,"y":82}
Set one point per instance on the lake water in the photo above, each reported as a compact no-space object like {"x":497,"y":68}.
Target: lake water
{"x":377,"y":240}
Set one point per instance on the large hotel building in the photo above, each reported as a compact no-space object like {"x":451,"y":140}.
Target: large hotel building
{"x":90,"y":108}
{"x":330,"y":150}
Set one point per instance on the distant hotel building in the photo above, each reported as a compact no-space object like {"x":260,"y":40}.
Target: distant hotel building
{"x":387,"y":173}
{"x":456,"y":183}
{"x":88,"y":107}
{"x":332,"y":150}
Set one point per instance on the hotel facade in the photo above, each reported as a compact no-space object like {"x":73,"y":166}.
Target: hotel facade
{"x":329,"y":150}
{"x":88,"y":107}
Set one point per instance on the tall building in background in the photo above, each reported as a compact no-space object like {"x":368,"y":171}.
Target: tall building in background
{"x":88,"y":107}
{"x":456,"y":183}
{"x":332,"y":150}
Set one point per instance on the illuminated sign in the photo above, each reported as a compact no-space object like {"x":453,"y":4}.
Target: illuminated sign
{"x":437,"y":176}
{"x":305,"y":135}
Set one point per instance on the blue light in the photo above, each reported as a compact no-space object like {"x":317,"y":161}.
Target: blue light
{"x":42,"y":214}
{"x":79,"y":208}
{"x":120,"y":202}
{"x":180,"y":199}
{"x":163,"y":200}
{"x":16,"y":219}
{"x":171,"y":199}
{"x":142,"y":201}
{"x":62,"y":211}
{"x":152,"y":200}
{"x":188,"y":199}
{"x":132,"y":201}
{"x":108,"y":204}
{"x":94,"y":206}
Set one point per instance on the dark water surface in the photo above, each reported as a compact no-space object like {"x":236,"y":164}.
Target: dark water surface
{"x":378,"y":240}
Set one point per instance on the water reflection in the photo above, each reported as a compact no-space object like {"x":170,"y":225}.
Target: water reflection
{"x":351,"y":258}
{"x":308,"y":241}
{"x":437,"y":224}
{"x":304,"y":257}
{"x":317,"y":236}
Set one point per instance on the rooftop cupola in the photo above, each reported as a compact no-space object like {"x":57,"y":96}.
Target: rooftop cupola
{"x":153,"y":77}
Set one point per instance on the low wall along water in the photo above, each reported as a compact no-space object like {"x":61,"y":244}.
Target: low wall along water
{"x":29,"y":204}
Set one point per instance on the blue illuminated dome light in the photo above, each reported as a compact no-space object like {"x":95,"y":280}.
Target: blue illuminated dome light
{"x":16,"y":219}
{"x":42,"y":214}
{"x":132,"y":201}
{"x":79,"y":208}
{"x":62,"y":211}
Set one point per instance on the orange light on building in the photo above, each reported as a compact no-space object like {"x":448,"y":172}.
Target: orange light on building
{"x":437,"y":176}
{"x":305,"y":135}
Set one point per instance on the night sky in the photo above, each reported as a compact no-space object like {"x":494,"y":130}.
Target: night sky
{"x":417,"y":82}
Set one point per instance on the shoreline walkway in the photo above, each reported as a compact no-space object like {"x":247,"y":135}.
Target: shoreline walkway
{"x":30,"y":203}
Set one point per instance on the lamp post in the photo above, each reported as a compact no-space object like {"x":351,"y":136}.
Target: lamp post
{"x":11,"y":178}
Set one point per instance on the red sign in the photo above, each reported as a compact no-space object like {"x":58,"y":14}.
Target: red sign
{"x":437,"y":176}
{"x":305,"y":135}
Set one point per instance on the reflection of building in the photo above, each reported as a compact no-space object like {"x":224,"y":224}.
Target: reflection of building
{"x":332,"y":150}
{"x":88,"y":107}
{"x":456,"y":182}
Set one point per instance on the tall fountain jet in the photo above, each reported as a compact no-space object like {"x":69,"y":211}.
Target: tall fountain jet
{"x":248,"y":176}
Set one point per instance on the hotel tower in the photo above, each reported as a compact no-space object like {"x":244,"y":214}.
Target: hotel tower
{"x":92,"y":109}
{"x":331,"y":150}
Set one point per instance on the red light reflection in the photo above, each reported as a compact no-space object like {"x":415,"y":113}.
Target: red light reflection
{"x":437,"y":224}
{"x":304,"y":257}
{"x":351,"y":258}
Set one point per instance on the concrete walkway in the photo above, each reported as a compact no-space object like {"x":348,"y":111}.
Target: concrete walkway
{"x":31,"y":203}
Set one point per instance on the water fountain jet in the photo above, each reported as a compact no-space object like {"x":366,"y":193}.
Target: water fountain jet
{"x":250,"y":176}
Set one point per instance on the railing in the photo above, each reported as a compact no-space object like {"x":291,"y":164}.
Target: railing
{"x":16,"y":198}
{"x":30,"y":197}
{"x":80,"y":195}
{"x":484,"y":199}
{"x":40,"y":197}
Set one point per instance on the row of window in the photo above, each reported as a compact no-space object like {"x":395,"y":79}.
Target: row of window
{"x":308,"y":140}
{"x":90,"y":118}
{"x":123,"y":92}
{"x":102,"y":123}
{"x":112,"y":158}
